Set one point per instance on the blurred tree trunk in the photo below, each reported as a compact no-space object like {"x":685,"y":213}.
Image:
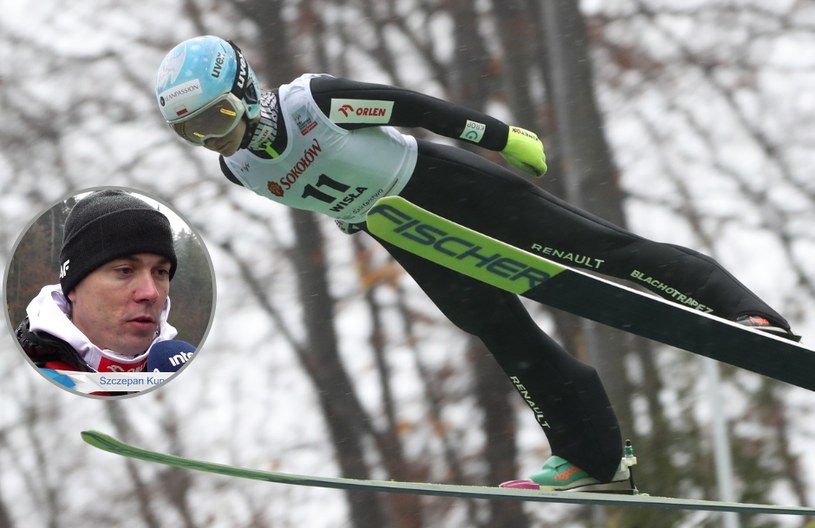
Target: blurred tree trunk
{"x":346,"y":419}
{"x":515,"y":30}
{"x":591,"y":177}
{"x":5,"y":515}
{"x":405,"y":509}
{"x":591,"y":183}
{"x":172,"y":485}
{"x":581,"y":168}
{"x":470,"y":79}
{"x":471,"y":87}
{"x":493,"y":393}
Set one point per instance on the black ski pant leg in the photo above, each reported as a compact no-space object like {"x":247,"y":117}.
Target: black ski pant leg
{"x":468,"y":189}
{"x":566,"y":396}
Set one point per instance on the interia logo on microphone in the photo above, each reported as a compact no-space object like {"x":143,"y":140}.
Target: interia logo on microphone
{"x":180,"y":358}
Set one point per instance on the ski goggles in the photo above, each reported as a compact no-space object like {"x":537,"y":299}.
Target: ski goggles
{"x":214,"y":120}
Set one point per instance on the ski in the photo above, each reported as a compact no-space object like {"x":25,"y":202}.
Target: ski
{"x":107,"y":443}
{"x":403,"y":224}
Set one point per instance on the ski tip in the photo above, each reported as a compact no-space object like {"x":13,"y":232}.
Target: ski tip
{"x":88,"y":436}
{"x":96,"y":439}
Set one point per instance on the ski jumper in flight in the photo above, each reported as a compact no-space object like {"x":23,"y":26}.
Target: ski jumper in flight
{"x":330,"y":145}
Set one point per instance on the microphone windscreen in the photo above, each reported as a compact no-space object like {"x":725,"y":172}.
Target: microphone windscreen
{"x":169,"y":356}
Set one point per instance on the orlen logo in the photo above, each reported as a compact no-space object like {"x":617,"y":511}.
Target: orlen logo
{"x":346,"y":110}
{"x":360,"y":111}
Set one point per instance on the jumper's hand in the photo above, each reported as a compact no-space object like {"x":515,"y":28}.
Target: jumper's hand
{"x":524,"y":150}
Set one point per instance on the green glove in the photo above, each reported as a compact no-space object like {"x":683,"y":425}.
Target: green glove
{"x":524,"y":150}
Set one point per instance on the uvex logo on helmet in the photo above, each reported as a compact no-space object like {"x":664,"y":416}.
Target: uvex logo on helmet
{"x":219,"y":65}
{"x":243,"y":71}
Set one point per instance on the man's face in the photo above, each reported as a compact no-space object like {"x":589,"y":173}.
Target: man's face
{"x":230,"y":143}
{"x":117,"y":306}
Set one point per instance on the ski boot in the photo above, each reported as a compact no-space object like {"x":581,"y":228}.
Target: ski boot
{"x":558,"y":474}
{"x":759,"y":322}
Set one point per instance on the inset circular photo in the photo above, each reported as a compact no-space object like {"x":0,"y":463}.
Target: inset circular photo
{"x":109,"y":293}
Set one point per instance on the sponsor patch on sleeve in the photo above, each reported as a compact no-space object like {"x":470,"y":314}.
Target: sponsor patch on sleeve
{"x":473,"y":131}
{"x":361,"y":111}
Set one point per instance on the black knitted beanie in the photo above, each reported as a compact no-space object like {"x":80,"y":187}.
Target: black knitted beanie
{"x":107,"y":225}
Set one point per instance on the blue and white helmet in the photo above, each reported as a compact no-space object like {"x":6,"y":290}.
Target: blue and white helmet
{"x":201,"y":69}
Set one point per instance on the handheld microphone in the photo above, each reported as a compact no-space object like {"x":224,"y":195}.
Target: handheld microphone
{"x":169,"y":356}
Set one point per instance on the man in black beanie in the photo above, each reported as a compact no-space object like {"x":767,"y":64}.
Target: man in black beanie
{"x":112,"y":300}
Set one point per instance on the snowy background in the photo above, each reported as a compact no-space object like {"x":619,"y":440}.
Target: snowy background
{"x":707,"y":109}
